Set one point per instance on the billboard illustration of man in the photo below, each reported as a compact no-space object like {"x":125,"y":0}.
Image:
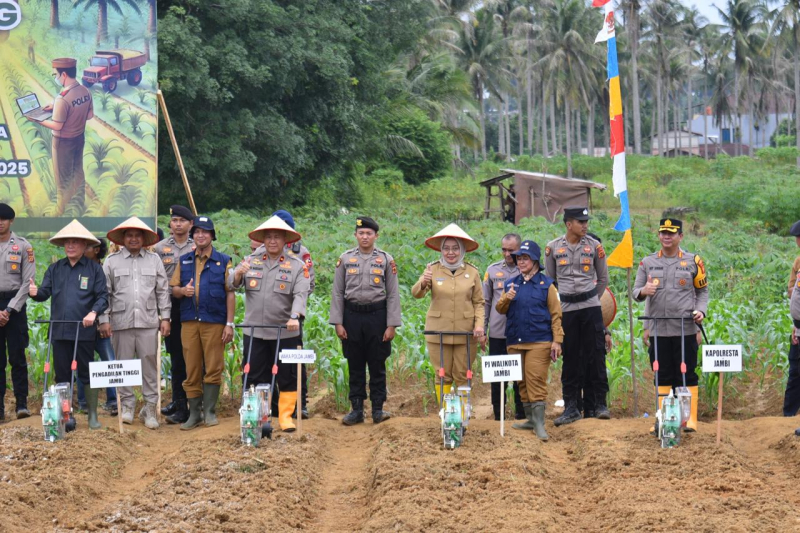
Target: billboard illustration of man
{"x":71,"y":109}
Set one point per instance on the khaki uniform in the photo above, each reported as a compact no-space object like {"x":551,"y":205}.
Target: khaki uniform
{"x":494,"y":279}
{"x":170,"y":253}
{"x":17,"y":267}
{"x":365,"y":280}
{"x":274,"y":290}
{"x":298,"y":250}
{"x":138,"y":294}
{"x":72,"y":107}
{"x":794,"y":301}
{"x":577,"y":269}
{"x":457,"y":304}
{"x":681,"y":287}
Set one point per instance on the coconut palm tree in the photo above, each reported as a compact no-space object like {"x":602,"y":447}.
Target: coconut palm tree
{"x":102,"y":13}
{"x":692,"y":30}
{"x":631,"y":12}
{"x":787,"y":20}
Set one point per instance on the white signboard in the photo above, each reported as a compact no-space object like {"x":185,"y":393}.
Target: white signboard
{"x":303,"y":357}
{"x":502,"y":368}
{"x":104,"y":374}
{"x":722,"y":358}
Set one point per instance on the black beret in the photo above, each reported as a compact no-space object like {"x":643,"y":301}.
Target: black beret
{"x":366,"y":222}
{"x":7,"y":212}
{"x":180,"y":211}
{"x":795,"y":231}
{"x":576,"y":213}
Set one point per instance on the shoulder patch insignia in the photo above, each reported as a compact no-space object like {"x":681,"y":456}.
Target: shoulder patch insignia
{"x":486,"y":276}
{"x":305,"y":271}
{"x":30,"y":255}
{"x":547,"y":251}
{"x":338,"y":262}
{"x":601,"y":252}
{"x":394,"y":267}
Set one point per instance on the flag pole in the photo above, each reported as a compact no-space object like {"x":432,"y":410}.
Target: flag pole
{"x":633,"y":356}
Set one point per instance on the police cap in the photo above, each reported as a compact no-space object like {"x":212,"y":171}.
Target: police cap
{"x":7,"y":212}
{"x":576,"y":213}
{"x":795,"y":231}
{"x":672,"y":225}
{"x":65,"y":62}
{"x":366,"y":222}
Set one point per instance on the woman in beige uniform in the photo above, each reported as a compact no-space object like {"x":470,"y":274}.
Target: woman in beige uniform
{"x":456,"y":304}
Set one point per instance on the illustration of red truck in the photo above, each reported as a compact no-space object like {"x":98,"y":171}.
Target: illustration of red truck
{"x":109,"y":66}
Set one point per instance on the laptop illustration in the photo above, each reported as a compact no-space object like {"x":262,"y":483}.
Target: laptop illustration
{"x":29,"y":105}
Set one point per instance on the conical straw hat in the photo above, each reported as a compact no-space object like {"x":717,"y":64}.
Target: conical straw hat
{"x":452,"y":230}
{"x":275,"y":223}
{"x":117,"y":234}
{"x":73,"y":230}
{"x":608,"y":305}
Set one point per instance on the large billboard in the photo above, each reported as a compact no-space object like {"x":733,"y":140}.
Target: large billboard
{"x":78,"y":120}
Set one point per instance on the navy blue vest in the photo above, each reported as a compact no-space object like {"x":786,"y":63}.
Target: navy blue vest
{"x":213,"y":301}
{"x":528,"y":318}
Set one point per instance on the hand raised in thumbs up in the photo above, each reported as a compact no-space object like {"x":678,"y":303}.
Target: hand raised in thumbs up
{"x":33,"y":290}
{"x":188,"y":290}
{"x":427,"y":277}
{"x":650,"y":287}
{"x":511,"y":292}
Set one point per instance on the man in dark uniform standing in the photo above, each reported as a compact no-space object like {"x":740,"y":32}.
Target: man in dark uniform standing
{"x":791,"y":399}
{"x":577,"y":263}
{"x":170,"y":250}
{"x":365,"y":309}
{"x":17,"y":268}
{"x":71,"y":109}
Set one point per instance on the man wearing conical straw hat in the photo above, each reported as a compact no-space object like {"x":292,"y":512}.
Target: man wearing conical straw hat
{"x":457,"y":304}
{"x":276,"y":288}
{"x":78,"y":288}
{"x":139,"y":292}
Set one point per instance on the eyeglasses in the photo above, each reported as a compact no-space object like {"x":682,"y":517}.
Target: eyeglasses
{"x":448,"y":249}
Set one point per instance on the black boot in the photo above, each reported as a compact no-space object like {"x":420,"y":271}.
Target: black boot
{"x":571,"y":413}
{"x":797,"y":432}
{"x":519,"y":412}
{"x":378,"y":414}
{"x":602,"y":412}
{"x":496,"y":409}
{"x":356,"y":416}
{"x":180,"y":413}
{"x":170,"y":408}
{"x":22,"y":407}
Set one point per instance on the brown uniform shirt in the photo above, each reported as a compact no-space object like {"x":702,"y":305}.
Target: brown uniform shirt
{"x":365,"y":279}
{"x":681,"y":287}
{"x":577,"y":268}
{"x":274,"y":290}
{"x":170,"y":252}
{"x":72,"y":107}
{"x":17,"y":267}
{"x":456,"y":301}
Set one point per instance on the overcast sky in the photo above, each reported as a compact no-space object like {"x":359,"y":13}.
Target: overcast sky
{"x":707,"y":9}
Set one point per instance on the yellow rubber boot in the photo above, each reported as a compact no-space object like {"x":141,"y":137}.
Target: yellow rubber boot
{"x":691,"y":426}
{"x":662,"y":393}
{"x":286,"y":404}
{"x":447,"y":387}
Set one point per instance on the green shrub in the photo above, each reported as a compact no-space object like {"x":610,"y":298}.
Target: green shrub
{"x":434,"y":156}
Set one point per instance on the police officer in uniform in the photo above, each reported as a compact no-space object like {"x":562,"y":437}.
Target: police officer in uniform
{"x":674,"y":283}
{"x":295,"y":249}
{"x":17,"y":267}
{"x":170,"y":250}
{"x":495,"y":323}
{"x":276,"y":290}
{"x":71,"y":109}
{"x":365,"y":309}
{"x":577,"y":263}
{"x":791,"y":400}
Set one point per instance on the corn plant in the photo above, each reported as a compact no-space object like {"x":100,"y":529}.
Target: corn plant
{"x":100,"y":150}
{"x":118,"y":108}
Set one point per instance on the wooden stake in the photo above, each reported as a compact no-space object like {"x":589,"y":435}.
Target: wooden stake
{"x":719,"y":408}
{"x":299,"y":399}
{"x":181,"y":168}
{"x":119,"y":413}
{"x":502,"y":408}
{"x":633,"y":356}
{"x":158,"y":373}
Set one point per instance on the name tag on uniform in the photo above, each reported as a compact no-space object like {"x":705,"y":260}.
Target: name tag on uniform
{"x":187,"y":262}
{"x":84,"y":283}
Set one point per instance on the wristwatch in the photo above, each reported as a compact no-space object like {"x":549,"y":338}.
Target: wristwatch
{"x":294,"y":316}
{"x":229,"y":324}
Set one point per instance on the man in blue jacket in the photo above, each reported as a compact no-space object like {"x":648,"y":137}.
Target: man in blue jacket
{"x":207,"y":309}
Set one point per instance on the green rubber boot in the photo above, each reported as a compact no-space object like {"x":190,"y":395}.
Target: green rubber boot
{"x":537,"y":411}
{"x":195,"y":414}
{"x":210,"y":397}
{"x":528,"y":424}
{"x":91,"y":404}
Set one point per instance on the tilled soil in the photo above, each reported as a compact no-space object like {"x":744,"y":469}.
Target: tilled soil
{"x":592,"y":475}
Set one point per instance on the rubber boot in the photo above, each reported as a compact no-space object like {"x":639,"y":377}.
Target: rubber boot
{"x":691,"y":426}
{"x":528,"y":424}
{"x":538,"y":420}
{"x":180,"y":413}
{"x":378,"y":414}
{"x":195,"y":414}
{"x":356,"y":416}
{"x":571,"y":413}
{"x":286,"y":404}
{"x":210,"y":397}
{"x":91,"y":404}
{"x":662,"y":393}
